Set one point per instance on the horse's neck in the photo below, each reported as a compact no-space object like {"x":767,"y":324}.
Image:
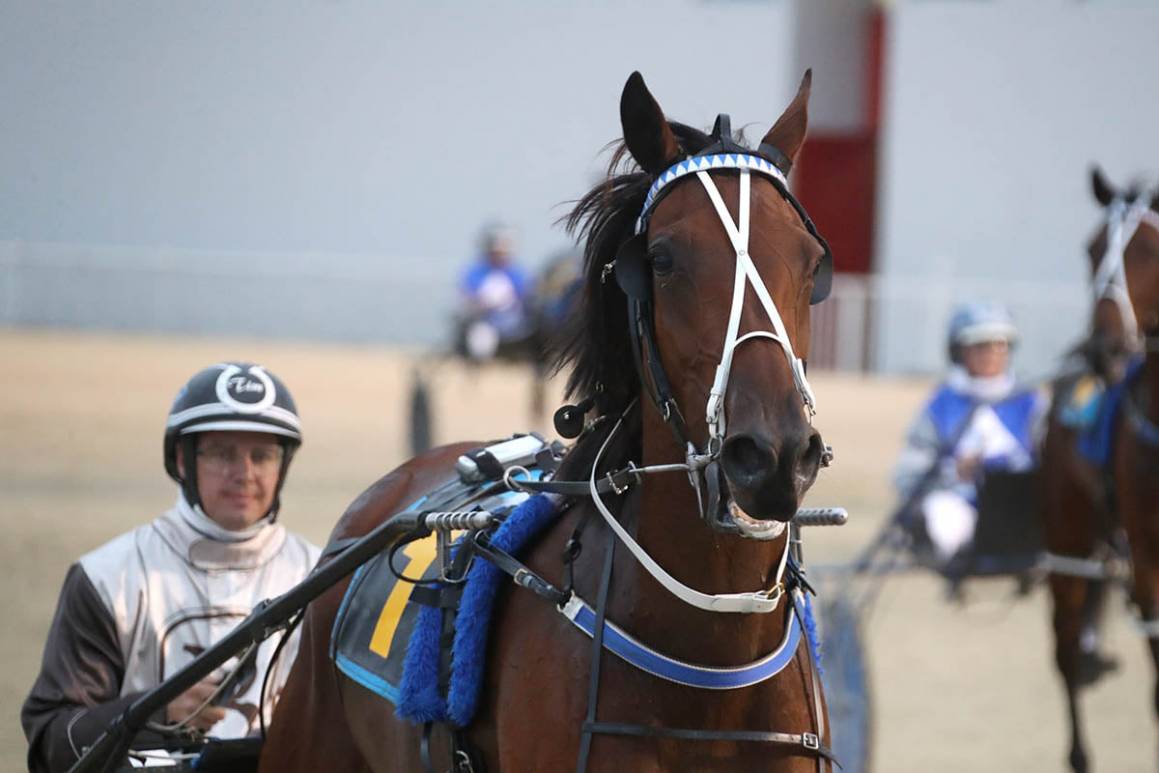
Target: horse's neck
{"x":668,"y":526}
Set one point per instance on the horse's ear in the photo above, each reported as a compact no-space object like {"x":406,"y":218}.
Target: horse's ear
{"x":788,"y":133}
{"x":1104,"y":192}
{"x":649,"y":138}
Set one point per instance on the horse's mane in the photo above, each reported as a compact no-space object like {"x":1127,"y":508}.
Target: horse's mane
{"x":595,"y":342}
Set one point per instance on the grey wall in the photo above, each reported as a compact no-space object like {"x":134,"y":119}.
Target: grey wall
{"x":994,"y":113}
{"x":215,"y":137}
{"x":831,"y":37}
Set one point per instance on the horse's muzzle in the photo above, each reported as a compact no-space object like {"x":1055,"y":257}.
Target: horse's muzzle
{"x":767,"y":483}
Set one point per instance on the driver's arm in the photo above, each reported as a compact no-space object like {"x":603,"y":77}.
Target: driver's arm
{"x":78,"y":690}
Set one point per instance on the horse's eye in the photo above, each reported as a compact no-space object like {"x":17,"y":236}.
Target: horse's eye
{"x":662,"y":263}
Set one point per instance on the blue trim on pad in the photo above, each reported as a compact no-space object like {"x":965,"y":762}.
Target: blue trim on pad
{"x":342,"y":611}
{"x":367,"y":678}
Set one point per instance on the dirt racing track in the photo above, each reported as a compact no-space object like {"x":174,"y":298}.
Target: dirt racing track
{"x":954,"y":689}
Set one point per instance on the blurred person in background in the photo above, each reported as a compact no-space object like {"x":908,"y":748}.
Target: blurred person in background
{"x":139,"y":608}
{"x":559,"y":288}
{"x":495,"y":298}
{"x":978,"y":419}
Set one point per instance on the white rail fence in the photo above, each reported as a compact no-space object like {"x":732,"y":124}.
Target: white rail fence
{"x":870,"y":323}
{"x":894,"y":325}
{"x":305,"y":296}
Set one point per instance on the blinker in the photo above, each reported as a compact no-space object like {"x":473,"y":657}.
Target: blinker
{"x":633,"y":273}
{"x":822,"y":278}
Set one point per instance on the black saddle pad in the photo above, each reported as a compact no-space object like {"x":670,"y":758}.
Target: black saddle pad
{"x":1008,"y":516}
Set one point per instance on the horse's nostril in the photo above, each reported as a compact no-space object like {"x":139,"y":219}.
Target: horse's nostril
{"x":810,"y":461}
{"x":746,"y":460}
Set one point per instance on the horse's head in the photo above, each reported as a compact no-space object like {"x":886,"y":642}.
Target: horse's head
{"x":715,"y":267}
{"x":1124,"y":256}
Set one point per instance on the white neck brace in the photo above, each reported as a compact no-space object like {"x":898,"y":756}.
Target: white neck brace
{"x":207,"y":527}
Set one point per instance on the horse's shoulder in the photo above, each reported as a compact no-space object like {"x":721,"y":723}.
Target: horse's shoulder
{"x":398,"y":488}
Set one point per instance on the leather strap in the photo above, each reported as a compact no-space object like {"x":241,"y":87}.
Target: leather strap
{"x":616,"y":482}
{"x":523,"y":577}
{"x":1145,"y":429}
{"x":597,"y":657}
{"x":808,"y":743}
{"x":425,"y":749}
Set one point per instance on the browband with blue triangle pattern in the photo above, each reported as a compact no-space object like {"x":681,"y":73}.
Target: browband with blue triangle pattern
{"x":704,"y":164}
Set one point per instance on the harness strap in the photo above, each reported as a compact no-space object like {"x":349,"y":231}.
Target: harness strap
{"x":763,"y":601}
{"x":641,"y":656}
{"x":814,"y":678}
{"x":613,"y":483}
{"x":523,"y":577}
{"x":1148,"y":628}
{"x":1073,"y":566}
{"x":596,"y":658}
{"x":659,"y":388}
{"x":425,"y":748}
{"x":807,"y":743}
{"x":1145,"y":429}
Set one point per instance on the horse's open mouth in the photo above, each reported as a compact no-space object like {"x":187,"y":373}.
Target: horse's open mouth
{"x":754,"y":528}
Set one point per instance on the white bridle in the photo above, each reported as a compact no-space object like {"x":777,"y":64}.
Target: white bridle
{"x":746,"y":274}
{"x":1110,"y":281}
{"x":762,"y":601}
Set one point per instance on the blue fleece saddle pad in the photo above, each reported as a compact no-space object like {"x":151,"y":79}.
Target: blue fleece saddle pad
{"x":376,"y":619}
{"x":402,"y":650}
{"x":1096,"y":440}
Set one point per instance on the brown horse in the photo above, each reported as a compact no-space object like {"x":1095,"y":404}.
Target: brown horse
{"x":536,"y":688}
{"x":1082,"y":512}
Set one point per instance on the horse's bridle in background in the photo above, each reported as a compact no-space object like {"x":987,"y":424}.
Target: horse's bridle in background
{"x":1124,"y":216}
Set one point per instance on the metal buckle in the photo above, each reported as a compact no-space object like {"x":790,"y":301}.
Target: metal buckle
{"x":810,"y":741}
{"x":774,"y":593}
{"x":612,"y":482}
{"x":509,"y":477}
{"x":463,"y":762}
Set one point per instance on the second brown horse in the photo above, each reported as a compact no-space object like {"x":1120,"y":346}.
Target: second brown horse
{"x":1085,"y":506}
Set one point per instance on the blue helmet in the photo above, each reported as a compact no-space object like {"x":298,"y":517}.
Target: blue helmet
{"x":976,"y":323}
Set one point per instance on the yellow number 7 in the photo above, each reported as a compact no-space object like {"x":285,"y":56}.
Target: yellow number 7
{"x":420,"y":555}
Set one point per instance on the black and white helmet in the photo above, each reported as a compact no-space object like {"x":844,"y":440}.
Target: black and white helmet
{"x":230,"y":397}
